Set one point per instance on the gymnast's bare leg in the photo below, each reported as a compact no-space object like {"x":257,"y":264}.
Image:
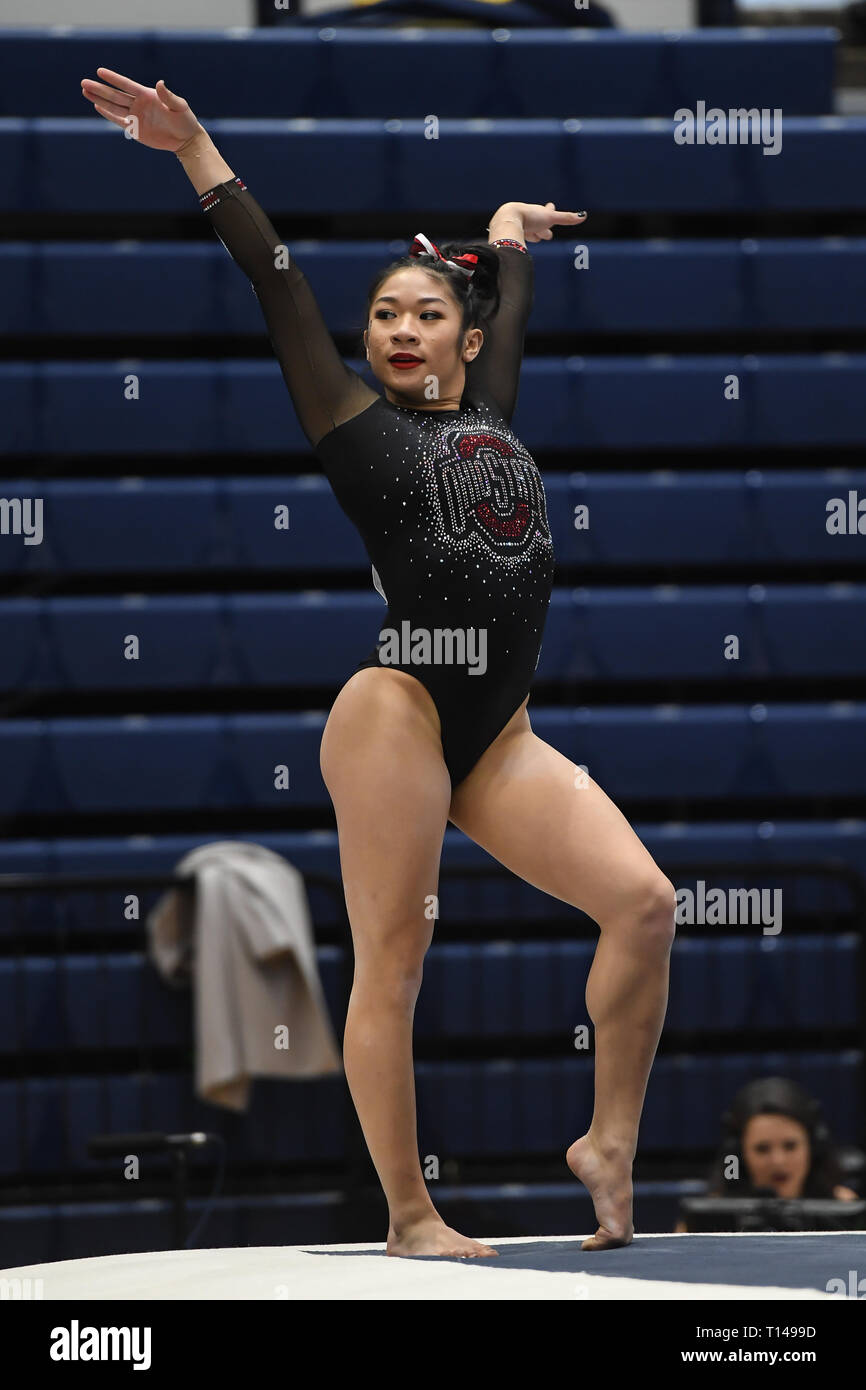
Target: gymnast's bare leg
{"x":381,"y":758}
{"x":522,"y":803}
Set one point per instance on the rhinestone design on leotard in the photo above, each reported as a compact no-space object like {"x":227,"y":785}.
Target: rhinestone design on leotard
{"x":460,"y":526}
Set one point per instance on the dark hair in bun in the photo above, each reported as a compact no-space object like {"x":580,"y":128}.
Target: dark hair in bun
{"x":478,"y":297}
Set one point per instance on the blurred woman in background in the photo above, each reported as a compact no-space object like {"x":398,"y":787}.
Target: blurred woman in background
{"x":775,"y":1132}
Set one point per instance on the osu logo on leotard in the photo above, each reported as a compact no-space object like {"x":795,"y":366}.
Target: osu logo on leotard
{"x":490,"y":485}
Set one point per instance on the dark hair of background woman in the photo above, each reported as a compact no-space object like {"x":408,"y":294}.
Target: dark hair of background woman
{"x":775,"y":1095}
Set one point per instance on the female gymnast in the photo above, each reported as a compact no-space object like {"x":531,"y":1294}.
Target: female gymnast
{"x":432,"y":726}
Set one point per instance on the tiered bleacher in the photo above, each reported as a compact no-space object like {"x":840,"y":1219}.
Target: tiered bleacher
{"x":708,"y":514}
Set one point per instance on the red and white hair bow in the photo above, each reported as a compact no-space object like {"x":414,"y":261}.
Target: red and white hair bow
{"x":421,"y":246}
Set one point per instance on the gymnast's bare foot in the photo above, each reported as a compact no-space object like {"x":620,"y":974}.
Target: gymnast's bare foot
{"x":428,"y":1235}
{"x":607,"y":1176}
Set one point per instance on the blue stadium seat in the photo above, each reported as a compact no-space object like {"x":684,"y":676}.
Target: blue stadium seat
{"x":473,"y":1109}
{"x":194,"y":525}
{"x":77,"y":1003}
{"x":316,"y":72}
{"x":655,"y":286}
{"x":355,"y":166}
{"x":204,"y":762}
{"x":801,"y":627}
{"x":566,"y":404}
{"x":313,"y":639}
{"x":121,"y":524}
{"x":316,"y":638}
{"x":491,"y":900}
{"x":176,"y":644}
{"x":668,"y":632}
{"x":251,"y":506}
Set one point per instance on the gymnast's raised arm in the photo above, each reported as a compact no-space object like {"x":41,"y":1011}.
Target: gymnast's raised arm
{"x":496,"y":369}
{"x":324,"y":390}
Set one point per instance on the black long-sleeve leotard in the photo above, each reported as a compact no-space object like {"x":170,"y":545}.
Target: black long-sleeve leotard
{"x":449,"y":504}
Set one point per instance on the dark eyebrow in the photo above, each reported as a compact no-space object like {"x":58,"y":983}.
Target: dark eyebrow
{"x":423,"y":299}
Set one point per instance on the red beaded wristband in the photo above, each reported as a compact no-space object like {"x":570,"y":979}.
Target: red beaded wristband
{"x":506,"y":241}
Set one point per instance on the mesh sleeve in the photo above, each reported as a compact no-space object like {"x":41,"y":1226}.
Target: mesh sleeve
{"x":495,"y":372}
{"x":324,"y":390}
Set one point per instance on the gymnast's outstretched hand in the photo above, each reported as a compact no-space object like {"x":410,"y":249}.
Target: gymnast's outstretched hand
{"x":539,"y":221}
{"x":153,"y":116}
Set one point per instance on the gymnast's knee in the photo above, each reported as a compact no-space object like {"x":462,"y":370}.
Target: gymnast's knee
{"x":390,"y":979}
{"x":649,"y":908}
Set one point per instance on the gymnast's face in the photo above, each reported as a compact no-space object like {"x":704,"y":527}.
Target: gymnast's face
{"x":415,"y":319}
{"x":777,"y":1153}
